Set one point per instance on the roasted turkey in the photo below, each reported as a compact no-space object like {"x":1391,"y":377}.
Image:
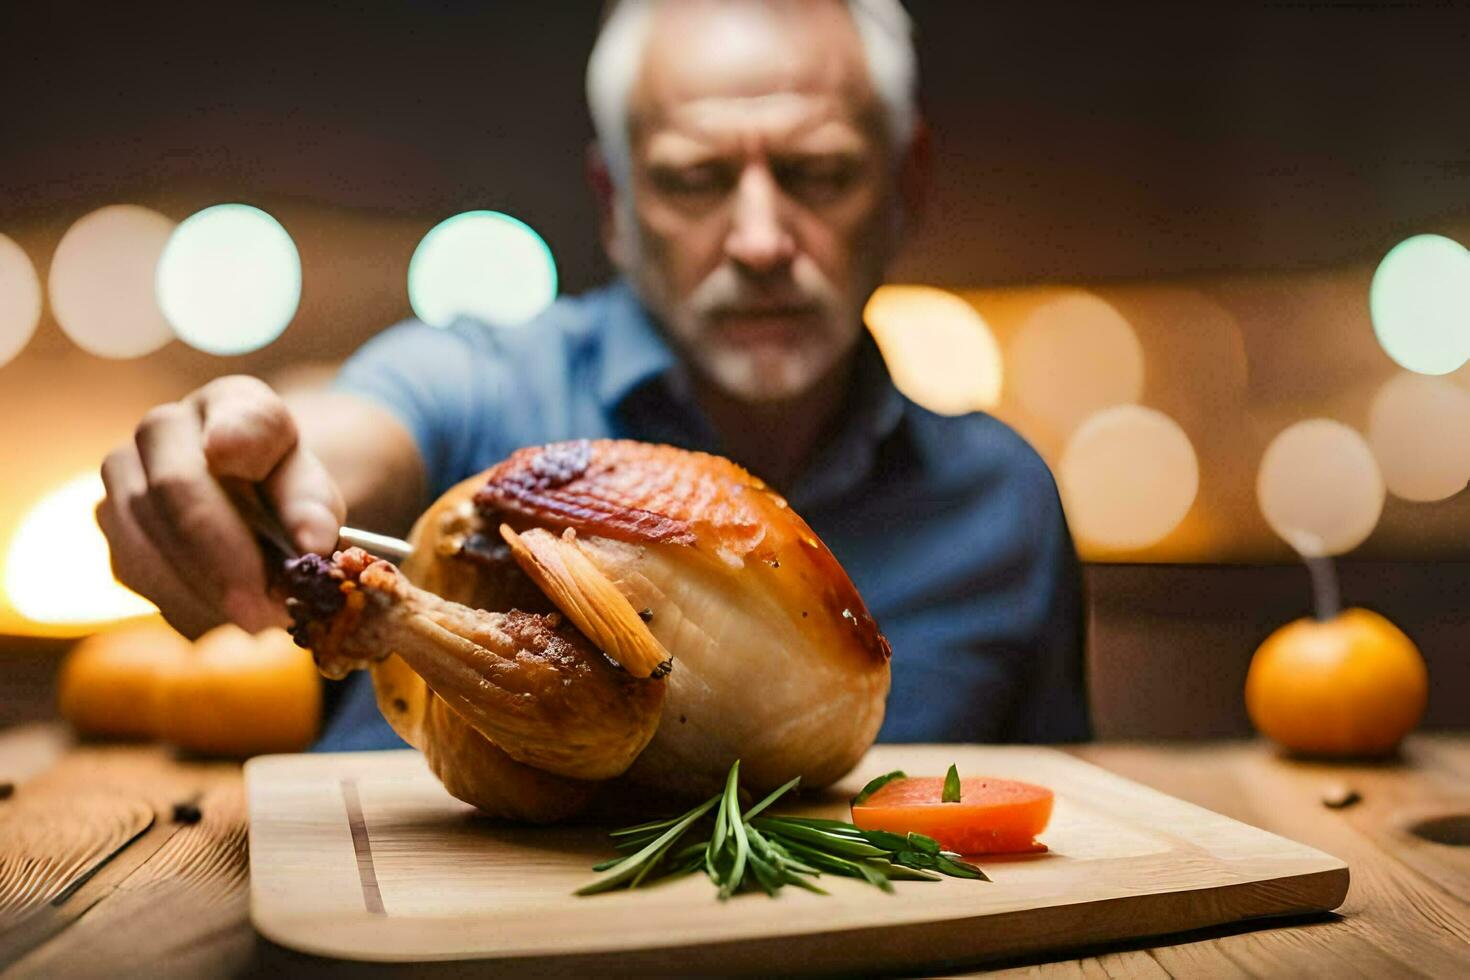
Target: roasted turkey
{"x":602,"y":615}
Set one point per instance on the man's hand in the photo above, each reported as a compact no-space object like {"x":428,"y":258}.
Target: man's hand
{"x":177,"y":539}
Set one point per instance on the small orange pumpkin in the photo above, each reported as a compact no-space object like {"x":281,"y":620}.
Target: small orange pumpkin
{"x":242,"y":695}
{"x":228,"y":694}
{"x":1353,"y":685}
{"x":110,"y":682}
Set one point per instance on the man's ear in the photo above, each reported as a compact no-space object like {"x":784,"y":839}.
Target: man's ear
{"x":915,"y":175}
{"x":604,"y":193}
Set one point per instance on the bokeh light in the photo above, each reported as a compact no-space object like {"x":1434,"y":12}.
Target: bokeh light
{"x":102,"y":281}
{"x":1072,"y":357}
{"x":58,"y":568}
{"x":1419,"y":430}
{"x":20,"y":299}
{"x":482,"y":264}
{"x":1319,"y":487}
{"x":1420,"y":302}
{"x":1128,"y":476}
{"x":1197,"y":369}
{"x":229,"y":279}
{"x":939,"y":351}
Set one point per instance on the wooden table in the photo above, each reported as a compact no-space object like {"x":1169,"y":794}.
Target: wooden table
{"x":98,"y":877}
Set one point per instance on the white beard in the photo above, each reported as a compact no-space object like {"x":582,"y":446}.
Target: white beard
{"x":748,"y":372}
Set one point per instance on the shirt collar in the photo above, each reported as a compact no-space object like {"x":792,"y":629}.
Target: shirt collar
{"x":874,"y":411}
{"x":635,"y":353}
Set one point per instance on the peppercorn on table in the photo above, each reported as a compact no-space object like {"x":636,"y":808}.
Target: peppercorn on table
{"x":122,"y":859}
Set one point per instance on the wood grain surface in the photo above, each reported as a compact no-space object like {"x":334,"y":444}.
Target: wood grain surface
{"x":97,"y":876}
{"x":365,"y":856}
{"x":1397,"y":921}
{"x":183,"y":911}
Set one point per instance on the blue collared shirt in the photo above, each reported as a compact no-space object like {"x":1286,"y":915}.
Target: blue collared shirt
{"x":950,"y":527}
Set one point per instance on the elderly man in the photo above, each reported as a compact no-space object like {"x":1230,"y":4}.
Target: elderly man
{"x":758,"y":163}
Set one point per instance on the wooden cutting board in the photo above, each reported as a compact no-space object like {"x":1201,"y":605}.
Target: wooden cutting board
{"x":363,"y":856}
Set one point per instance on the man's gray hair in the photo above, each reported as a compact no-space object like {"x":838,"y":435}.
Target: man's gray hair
{"x":612,"y":71}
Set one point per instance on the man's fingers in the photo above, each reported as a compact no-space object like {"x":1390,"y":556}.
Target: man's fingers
{"x":177,"y":534}
{"x":249,"y":433}
{"x":246,"y":429}
{"x":136,"y":563}
{"x":307,"y":501}
{"x":192,"y":521}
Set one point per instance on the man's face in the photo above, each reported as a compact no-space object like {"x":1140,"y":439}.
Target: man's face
{"x":763,"y":208}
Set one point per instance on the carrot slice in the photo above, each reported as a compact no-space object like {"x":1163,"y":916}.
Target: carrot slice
{"x":994,"y":816}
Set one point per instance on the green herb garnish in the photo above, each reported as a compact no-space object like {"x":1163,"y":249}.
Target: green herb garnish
{"x":752,"y":852}
{"x":951,"y":792}
{"x":874,"y":785}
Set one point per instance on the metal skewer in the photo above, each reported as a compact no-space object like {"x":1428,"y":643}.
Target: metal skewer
{"x":393,"y":549}
{"x":267,"y":527}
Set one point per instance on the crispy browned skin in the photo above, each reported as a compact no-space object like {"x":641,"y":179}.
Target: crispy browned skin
{"x":644,"y":493}
{"x":528,"y":682}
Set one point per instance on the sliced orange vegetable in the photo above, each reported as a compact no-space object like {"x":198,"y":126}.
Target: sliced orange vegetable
{"x":994,"y":816}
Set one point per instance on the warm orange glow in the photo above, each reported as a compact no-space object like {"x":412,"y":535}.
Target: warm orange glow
{"x":1420,"y":432}
{"x":1197,"y":365}
{"x":102,"y":281}
{"x":1073,"y":356}
{"x":20,"y":299}
{"x":939,"y":351}
{"x":1319,"y":488}
{"x":58,"y":571}
{"x":1128,"y":476}
{"x":63,"y":410}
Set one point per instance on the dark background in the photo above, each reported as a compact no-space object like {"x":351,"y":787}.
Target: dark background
{"x":1076,"y":141}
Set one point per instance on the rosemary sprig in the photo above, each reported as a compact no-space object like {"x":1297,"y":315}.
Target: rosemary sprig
{"x":634,"y":867}
{"x":746,"y":851}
